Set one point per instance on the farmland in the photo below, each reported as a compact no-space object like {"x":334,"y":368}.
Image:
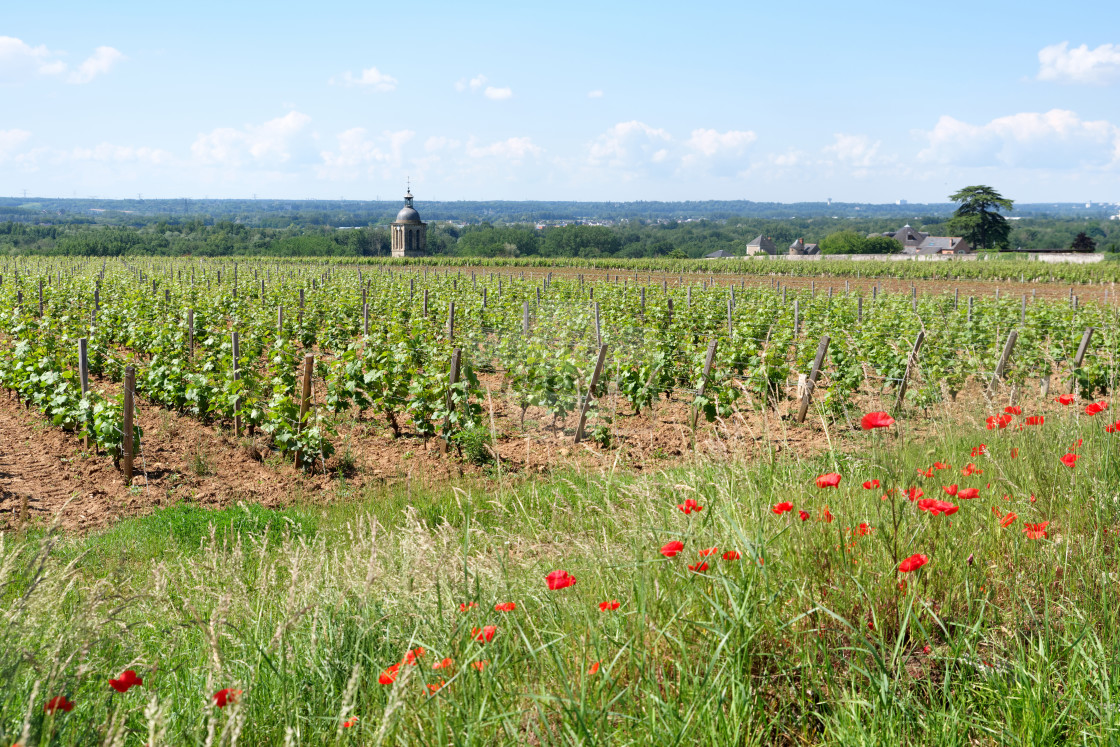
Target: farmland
{"x":352,"y":462}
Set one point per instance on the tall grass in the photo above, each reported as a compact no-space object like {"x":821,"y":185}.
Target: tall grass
{"x":811,"y":636}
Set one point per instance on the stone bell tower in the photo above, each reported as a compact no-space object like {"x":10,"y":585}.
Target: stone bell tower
{"x":409,"y":233}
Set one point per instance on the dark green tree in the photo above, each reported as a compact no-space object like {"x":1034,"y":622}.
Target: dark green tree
{"x":978,"y":219}
{"x":1082,"y":243}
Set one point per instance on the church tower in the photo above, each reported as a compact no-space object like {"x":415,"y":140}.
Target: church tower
{"x":409,"y":233}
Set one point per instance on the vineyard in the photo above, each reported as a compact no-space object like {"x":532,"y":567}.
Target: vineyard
{"x":306,"y":361}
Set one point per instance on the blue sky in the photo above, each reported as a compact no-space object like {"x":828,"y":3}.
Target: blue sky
{"x":572,"y":101}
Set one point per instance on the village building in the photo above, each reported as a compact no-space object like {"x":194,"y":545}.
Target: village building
{"x":408,"y":234}
{"x":800,"y":248}
{"x":761,"y":245}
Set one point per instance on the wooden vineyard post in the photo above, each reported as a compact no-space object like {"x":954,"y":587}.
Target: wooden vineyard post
{"x":305,"y":399}
{"x":643,"y":294}
{"x":83,"y":375}
{"x":127,"y":430}
{"x":236,"y":377}
{"x":190,"y":333}
{"x":451,"y":321}
{"x":970,"y":309}
{"x":590,"y":392}
{"x":598,"y":329}
{"x":811,"y":383}
{"x":730,"y":322}
{"x":796,"y":317}
{"x":525,"y":318}
{"x":1080,"y":356}
{"x":453,"y":379}
{"x":426,"y":303}
{"x":998,"y":374}
{"x":40,"y":297}
{"x":956,"y":299}
{"x":279,"y":319}
{"x":859,"y":309}
{"x":365,"y":319}
{"x":708,"y":358}
{"x":910,"y":363}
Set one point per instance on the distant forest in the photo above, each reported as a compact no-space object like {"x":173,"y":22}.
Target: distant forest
{"x":490,"y":229}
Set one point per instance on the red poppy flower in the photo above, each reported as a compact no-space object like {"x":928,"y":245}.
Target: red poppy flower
{"x":830,"y":480}
{"x":434,"y":688}
{"x":222,"y":698}
{"x":1013,"y":410}
{"x":873,"y":420}
{"x":1069,"y":460}
{"x":871,"y":484}
{"x":1096,"y":407}
{"x":689,"y":506}
{"x":912,"y":563}
{"x":670,"y":549}
{"x":127,"y":679}
{"x":464,"y":606}
{"x":939,"y":465}
{"x":560,"y":580}
{"x":1009,"y":519}
{"x":968,"y":493}
{"x":1001,"y":422}
{"x":593,"y":668}
{"x":709,"y":551}
{"x":925,"y":472}
{"x":915,"y":493}
{"x":781,"y":508}
{"x":609,"y":606}
{"x":389,"y":676}
{"x":826,"y":515}
{"x":980,"y":450}
{"x":1112,"y":427}
{"x":410,"y":657}
{"x":505,"y":607}
{"x":971,"y":470}
{"x":864,"y":529}
{"x":731,"y":555}
{"x":803,"y":515}
{"x":1035,"y":420}
{"x":352,"y":721}
{"x":58,"y":703}
{"x":484,"y":634}
{"x":1015,"y":453}
{"x":1036,"y":531}
{"x":1065,"y":399}
{"x":950,"y":489}
{"x":480,"y":665}
{"x":698,"y":567}
{"x":937,"y":507}
{"x":445,"y":664}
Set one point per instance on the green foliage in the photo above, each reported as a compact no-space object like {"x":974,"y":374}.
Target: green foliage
{"x":978,"y":217}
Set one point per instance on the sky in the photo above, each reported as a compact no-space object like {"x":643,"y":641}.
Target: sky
{"x":621,"y":101}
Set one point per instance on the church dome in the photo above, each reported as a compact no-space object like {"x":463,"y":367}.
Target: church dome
{"x":408,"y":213}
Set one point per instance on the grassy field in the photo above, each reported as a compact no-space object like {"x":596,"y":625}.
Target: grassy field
{"x":368,"y":622}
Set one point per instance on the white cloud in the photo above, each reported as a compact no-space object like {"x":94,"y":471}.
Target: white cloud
{"x":497,"y":94}
{"x":358,"y":155}
{"x":596,"y":94}
{"x":268,"y":143}
{"x":513,"y":149}
{"x":713,"y":142}
{"x":371,"y":77}
{"x":10,"y":140}
{"x":1056,"y":139}
{"x":20,"y":61}
{"x":109,"y":153}
{"x":853,"y":150}
{"x":629,"y":145}
{"x":1100,"y":66}
{"x":98,"y":63}
{"x":438,"y":142}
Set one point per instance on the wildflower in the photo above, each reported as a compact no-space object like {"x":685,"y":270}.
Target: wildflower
{"x":926,"y":650}
{"x":1112,"y":427}
{"x":980,"y":450}
{"x":689,"y":506}
{"x":731,"y":555}
{"x":1065,"y":399}
{"x":871,"y":484}
{"x":970,"y":559}
{"x":950,"y":489}
{"x":1035,"y":420}
{"x":1001,"y":422}
{"x":505,"y":607}
{"x":826,"y":515}
{"x":434,"y":688}
{"x":912,"y":563}
{"x":803,"y":515}
{"x":1013,"y":410}
{"x":698,"y":567}
{"x":936,"y":507}
{"x":480,"y":665}
{"x":915,"y":493}
{"x":1015,"y":452}
{"x":560,"y":580}
{"x":445,"y":664}
{"x":1009,"y":519}
{"x":410,"y":657}
{"x":1036,"y":531}
{"x":873,"y":420}
{"x":670,"y":549}
{"x":939,"y":465}
{"x":389,"y":676}
{"x":970,"y":470}
{"x":864,"y":529}
{"x":464,"y":606}
{"x":352,"y":721}
{"x":1096,"y":407}
{"x":968,"y":493}
{"x":58,"y":703}
{"x":484,"y":634}
{"x":709,"y":551}
{"x":1069,"y":460}
{"x":925,"y":472}
{"x":830,"y":480}
{"x":224,"y":697}
{"x":1076,"y":444}
{"x":593,"y":668}
{"x":611,"y":605}
{"x":127,"y":679}
{"x":781,"y":508}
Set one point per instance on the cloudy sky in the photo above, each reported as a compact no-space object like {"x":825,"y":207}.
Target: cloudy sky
{"x":576,"y":100}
